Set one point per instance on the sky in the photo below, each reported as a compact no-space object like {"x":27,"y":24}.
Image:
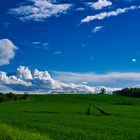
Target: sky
{"x":68,"y":45}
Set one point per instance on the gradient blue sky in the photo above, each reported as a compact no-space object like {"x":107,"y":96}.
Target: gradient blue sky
{"x":63,"y":43}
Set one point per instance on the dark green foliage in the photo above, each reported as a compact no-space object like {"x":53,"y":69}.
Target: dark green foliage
{"x":125,"y":103}
{"x":9,"y":97}
{"x":25,"y":96}
{"x":131,"y":92}
{"x":2,"y":98}
{"x":1,"y":94}
{"x":103,"y":91}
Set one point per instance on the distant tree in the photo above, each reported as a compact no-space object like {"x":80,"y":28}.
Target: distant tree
{"x":25,"y":96}
{"x":2,"y":98}
{"x":103,"y":91}
{"x":1,"y":93}
{"x":131,"y":92}
{"x":8,"y":97}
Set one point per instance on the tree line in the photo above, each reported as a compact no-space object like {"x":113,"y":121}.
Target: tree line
{"x":9,"y":97}
{"x":131,"y":92}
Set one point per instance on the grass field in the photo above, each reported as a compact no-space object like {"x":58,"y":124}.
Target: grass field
{"x":63,"y":117}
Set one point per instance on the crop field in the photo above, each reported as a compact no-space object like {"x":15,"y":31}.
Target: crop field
{"x":64,"y":117}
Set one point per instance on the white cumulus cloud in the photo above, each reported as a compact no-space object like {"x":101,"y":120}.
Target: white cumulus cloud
{"x":26,"y":80}
{"x":12,"y":80}
{"x":24,"y":73}
{"x":7,"y":51}
{"x":100,"y":4}
{"x":39,"y":10}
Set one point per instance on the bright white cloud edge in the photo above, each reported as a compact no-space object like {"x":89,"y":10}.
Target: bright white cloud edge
{"x":7,"y":51}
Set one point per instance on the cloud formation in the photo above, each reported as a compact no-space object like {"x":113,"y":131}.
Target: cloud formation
{"x":39,"y":10}
{"x":7,"y":51}
{"x":104,"y":15}
{"x":116,"y":79}
{"x":39,"y":81}
{"x":97,"y":29}
{"x":100,"y":4}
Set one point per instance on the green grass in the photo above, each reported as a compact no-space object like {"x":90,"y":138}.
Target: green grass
{"x":9,"y":133}
{"x":63,"y":117}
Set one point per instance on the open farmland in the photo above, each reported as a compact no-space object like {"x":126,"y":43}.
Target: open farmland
{"x":64,"y":117}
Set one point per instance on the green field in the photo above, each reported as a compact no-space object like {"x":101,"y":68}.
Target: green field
{"x":63,"y":117}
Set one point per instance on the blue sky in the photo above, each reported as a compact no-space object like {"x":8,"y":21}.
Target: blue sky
{"x":68,"y":38}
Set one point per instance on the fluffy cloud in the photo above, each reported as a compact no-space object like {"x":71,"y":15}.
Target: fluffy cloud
{"x":7,"y":51}
{"x":104,"y":15}
{"x":97,"y":29}
{"x":100,"y":4}
{"x":12,"y":80}
{"x":24,"y":73}
{"x":37,"y":81}
{"x":40,"y":82}
{"x":39,"y":10}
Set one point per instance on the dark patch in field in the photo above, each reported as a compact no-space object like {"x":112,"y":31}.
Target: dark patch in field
{"x":89,"y":110}
{"x":101,"y":111}
{"x":52,"y":112}
{"x":124,"y":103}
{"x":42,"y":112}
